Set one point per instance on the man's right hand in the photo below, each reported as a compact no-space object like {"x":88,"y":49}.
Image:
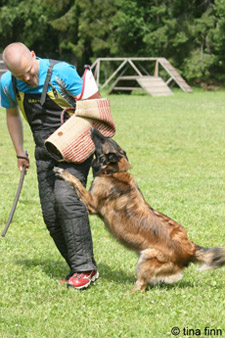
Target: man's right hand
{"x":23,"y":160}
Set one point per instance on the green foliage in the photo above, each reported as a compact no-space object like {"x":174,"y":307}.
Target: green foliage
{"x":188,"y":33}
{"x":176,"y":146}
{"x":218,"y":41}
{"x":199,"y":64}
{"x":129,"y":28}
{"x":197,"y":67}
{"x":26,"y":21}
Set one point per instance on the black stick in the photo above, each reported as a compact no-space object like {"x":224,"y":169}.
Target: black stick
{"x":22,"y":175}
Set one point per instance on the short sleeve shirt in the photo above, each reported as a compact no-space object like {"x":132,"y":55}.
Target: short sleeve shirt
{"x":65,"y":72}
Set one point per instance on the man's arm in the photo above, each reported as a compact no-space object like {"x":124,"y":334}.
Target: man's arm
{"x":15,"y":128}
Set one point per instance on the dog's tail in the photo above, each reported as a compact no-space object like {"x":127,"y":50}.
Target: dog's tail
{"x":209,"y":259}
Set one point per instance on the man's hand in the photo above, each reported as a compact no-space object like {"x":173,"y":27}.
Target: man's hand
{"x":23,"y":160}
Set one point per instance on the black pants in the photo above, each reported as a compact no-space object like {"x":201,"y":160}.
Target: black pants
{"x":64,"y":214}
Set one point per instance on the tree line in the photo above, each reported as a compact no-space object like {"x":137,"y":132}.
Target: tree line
{"x":189,"y":33}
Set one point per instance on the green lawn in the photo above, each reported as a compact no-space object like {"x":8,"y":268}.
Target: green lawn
{"x":176,"y":146}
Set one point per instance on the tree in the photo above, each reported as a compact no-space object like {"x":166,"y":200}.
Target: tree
{"x":26,"y":21}
{"x":190,"y":33}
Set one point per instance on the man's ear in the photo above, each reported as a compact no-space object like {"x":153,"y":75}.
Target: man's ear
{"x":33,"y":54}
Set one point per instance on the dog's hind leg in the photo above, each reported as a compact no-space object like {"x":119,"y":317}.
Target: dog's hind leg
{"x":145,"y":274}
{"x":146,"y":269}
{"x":154,"y":267}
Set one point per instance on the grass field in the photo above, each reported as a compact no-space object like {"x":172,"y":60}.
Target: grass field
{"x":176,"y":146}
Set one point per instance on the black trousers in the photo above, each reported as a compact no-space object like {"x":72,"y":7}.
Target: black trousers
{"x":64,"y":214}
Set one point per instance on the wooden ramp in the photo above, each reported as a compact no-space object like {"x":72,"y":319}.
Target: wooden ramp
{"x":154,"y":85}
{"x":150,"y":81}
{"x":174,"y":75}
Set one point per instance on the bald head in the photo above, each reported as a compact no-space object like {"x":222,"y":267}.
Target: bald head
{"x":22,"y":63}
{"x":15,"y":54}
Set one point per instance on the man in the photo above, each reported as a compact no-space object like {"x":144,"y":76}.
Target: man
{"x":42,"y":88}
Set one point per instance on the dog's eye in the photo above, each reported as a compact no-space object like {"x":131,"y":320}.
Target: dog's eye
{"x":112,"y":157}
{"x":124,"y":154}
{"x":103,"y":160}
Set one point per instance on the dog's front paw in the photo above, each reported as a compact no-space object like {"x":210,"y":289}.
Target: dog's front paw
{"x":58,"y":172}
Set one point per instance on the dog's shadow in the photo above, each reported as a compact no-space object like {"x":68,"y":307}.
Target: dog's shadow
{"x":121,"y":277}
{"x":116,"y":276}
{"x":57,"y":270}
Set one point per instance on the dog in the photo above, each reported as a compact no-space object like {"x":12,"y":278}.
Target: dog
{"x":163,"y":245}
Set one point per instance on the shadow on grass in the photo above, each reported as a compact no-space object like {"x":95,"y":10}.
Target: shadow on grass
{"x":53,"y":269}
{"x":178,"y":285}
{"x":57,"y":270}
{"x":117,"y":276}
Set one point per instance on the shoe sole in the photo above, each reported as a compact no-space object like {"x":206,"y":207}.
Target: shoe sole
{"x":93,"y":279}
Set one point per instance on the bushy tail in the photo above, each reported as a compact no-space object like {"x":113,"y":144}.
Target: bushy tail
{"x":210,"y":259}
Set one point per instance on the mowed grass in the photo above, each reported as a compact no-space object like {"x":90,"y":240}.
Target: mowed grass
{"x":176,"y":146}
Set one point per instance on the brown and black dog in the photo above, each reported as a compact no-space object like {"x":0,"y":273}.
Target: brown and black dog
{"x":162,"y":243}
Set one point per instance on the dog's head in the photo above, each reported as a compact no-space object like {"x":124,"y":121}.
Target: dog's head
{"x":109,"y":157}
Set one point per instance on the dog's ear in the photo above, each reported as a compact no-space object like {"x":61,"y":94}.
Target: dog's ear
{"x":110,"y":147}
{"x":95,"y":134}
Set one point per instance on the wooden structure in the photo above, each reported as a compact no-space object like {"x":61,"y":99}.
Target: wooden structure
{"x":3,"y":68}
{"x":152,"y":84}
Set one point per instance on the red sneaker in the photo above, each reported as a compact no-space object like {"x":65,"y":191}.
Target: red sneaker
{"x":83,"y":279}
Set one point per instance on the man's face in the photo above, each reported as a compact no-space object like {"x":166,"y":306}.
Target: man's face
{"x":28,"y":71}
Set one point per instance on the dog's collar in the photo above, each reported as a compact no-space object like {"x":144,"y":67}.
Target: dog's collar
{"x":110,"y":171}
